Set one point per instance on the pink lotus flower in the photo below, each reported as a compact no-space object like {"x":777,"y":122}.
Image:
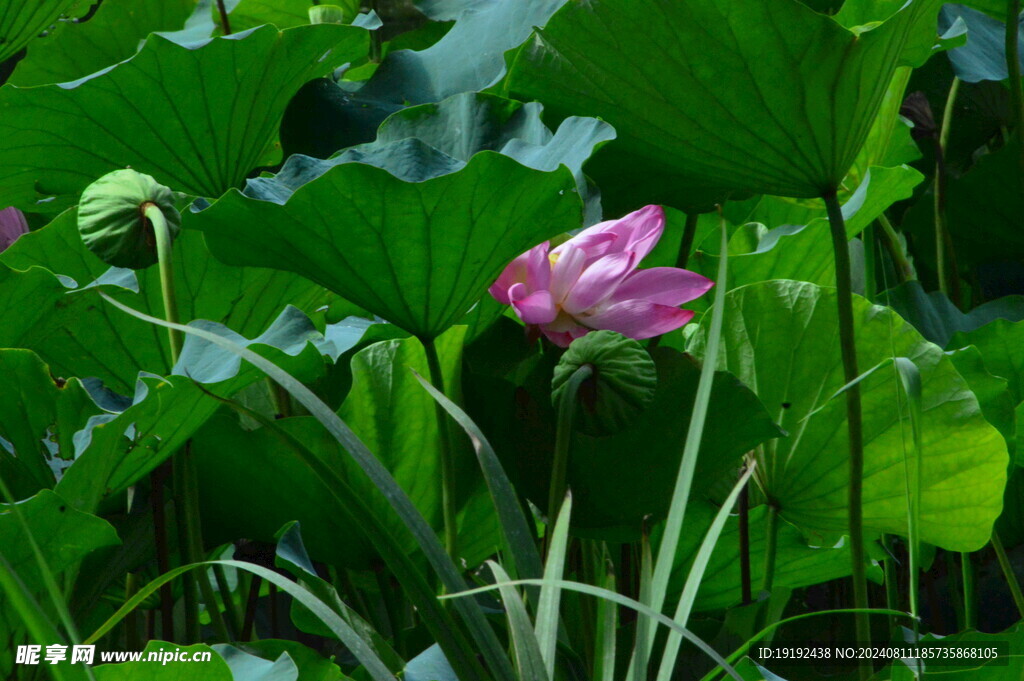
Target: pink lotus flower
{"x":591,"y":282}
{"x":12,"y":225}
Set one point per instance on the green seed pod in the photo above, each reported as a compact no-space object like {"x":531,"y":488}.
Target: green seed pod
{"x":621,"y":388}
{"x":112,"y":221}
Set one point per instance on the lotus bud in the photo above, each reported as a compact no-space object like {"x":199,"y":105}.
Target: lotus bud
{"x":622,"y":386}
{"x":12,"y":225}
{"x":112,"y":218}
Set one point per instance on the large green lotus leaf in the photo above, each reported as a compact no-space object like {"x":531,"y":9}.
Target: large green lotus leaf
{"x":762,"y":96}
{"x":386,"y":407}
{"x":21,"y":22}
{"x":796,"y":564}
{"x":418,"y":254}
{"x":64,"y":535}
{"x":118,"y":346}
{"x":39,"y":415}
{"x":781,"y":339}
{"x":216,"y":669}
{"x":74,"y":50}
{"x":470,"y":57}
{"x":196,"y":118}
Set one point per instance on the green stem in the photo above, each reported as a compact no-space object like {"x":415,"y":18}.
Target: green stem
{"x":869,"y":239}
{"x":195,"y":550}
{"x":188,"y":581}
{"x":689,"y":234}
{"x":892,"y":597}
{"x":771,"y":542}
{"x":451,"y":528}
{"x":234,"y":617}
{"x":1008,"y":574}
{"x":899,"y":257}
{"x":967,"y":571}
{"x":940,"y":186}
{"x":563,"y":440}
{"x":225,"y":24}
{"x":848,"y":348}
{"x":162,"y":235}
{"x":1013,"y":69}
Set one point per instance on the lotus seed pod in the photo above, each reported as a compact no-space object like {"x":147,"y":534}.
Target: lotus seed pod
{"x":622,"y":387}
{"x":112,"y":221}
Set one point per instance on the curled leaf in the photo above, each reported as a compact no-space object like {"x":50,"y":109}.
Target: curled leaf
{"x":621,"y":388}
{"x":112,"y":221}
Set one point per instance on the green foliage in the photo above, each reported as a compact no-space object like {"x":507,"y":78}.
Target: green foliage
{"x":781,"y":343}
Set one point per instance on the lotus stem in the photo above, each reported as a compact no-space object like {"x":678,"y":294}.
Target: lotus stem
{"x":225,"y":23}
{"x":686,"y":244}
{"x":1008,"y":573}
{"x":162,"y":235}
{"x":744,"y":529}
{"x":563,"y":440}
{"x":451,"y":528}
{"x":941,"y":230}
{"x":848,"y":348}
{"x":771,"y":543}
{"x":967,"y":572}
{"x":904,"y":270}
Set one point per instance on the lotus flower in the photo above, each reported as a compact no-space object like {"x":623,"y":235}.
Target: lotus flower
{"x":12,"y":225}
{"x":591,"y":282}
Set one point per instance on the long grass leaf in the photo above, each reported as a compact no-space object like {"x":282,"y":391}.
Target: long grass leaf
{"x":551,"y":595}
{"x":614,"y":597}
{"x":514,"y":525}
{"x":693,"y":580}
{"x":529,"y":658}
{"x":437,"y":620}
{"x":486,"y":640}
{"x":20,"y":599}
{"x":605,"y":639}
{"x":356,"y":644}
{"x":691,"y":448}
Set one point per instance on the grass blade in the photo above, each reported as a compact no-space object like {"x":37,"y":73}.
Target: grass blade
{"x":529,"y":658}
{"x":39,"y":626}
{"x":613,"y":597}
{"x":437,"y":620}
{"x":550,"y":594}
{"x":514,"y":525}
{"x":605,"y":643}
{"x":684,"y":480}
{"x":693,"y":580}
{"x":358,"y":646}
{"x":484,"y":636}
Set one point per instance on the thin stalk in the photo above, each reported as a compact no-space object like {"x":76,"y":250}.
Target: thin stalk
{"x":689,"y":234}
{"x":234,"y":617}
{"x":132,"y":637}
{"x":1013,"y":69}
{"x":162,"y":235}
{"x":941,"y":230}
{"x":251,"y":602}
{"x":451,"y":528}
{"x":225,"y":23}
{"x":904,"y":269}
{"x":771,"y":542}
{"x":967,"y":574}
{"x":195,"y":551}
{"x":744,"y":529}
{"x":1008,"y":574}
{"x":869,"y":240}
{"x":892,"y":596}
{"x":163,"y":559}
{"x":188,"y":581}
{"x":848,"y":348}
{"x":563,"y":440}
